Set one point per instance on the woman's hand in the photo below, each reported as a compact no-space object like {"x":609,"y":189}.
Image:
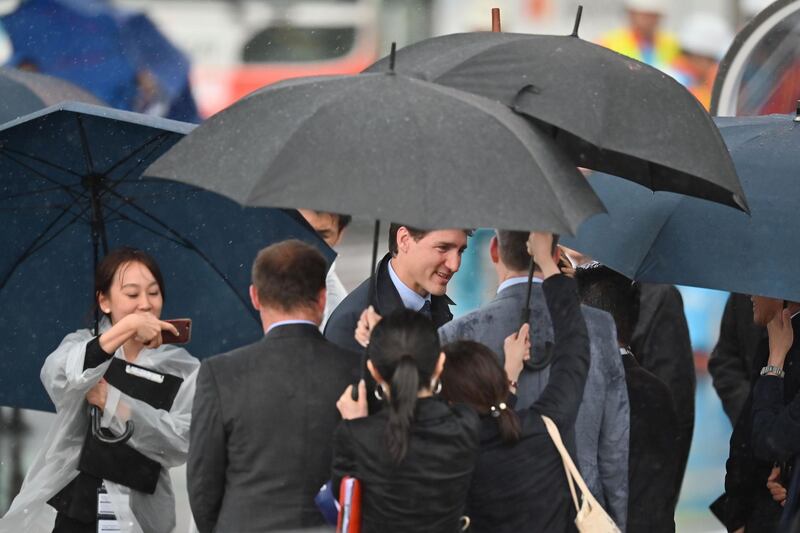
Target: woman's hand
{"x":98,"y":394}
{"x":781,"y":337}
{"x":147,"y":328}
{"x":350,"y":408}
{"x":774,"y":486}
{"x":517,"y":349}
{"x":540,"y":247}
{"x":366,"y":323}
{"x":142,"y":327}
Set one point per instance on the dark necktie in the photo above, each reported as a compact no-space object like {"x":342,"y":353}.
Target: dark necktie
{"x":426,"y":309}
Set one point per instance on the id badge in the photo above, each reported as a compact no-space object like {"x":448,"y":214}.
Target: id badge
{"x":106,"y":519}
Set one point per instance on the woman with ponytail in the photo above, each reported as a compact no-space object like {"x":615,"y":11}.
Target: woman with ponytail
{"x":414,"y":458}
{"x":519,"y":483}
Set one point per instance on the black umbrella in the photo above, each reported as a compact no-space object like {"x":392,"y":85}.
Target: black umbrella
{"x":385,"y":146}
{"x":609,"y":112}
{"x":25,"y":92}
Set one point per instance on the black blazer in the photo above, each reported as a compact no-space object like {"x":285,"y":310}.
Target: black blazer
{"x":341,"y":326}
{"x":662,"y":347}
{"x":426,"y":492}
{"x":262,"y":428}
{"x":654,"y":460}
{"x":747,"y":501}
{"x":523,"y":486}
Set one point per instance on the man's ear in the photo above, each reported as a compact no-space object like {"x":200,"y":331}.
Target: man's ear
{"x":374,"y":373}
{"x":494,"y":250}
{"x":254,"y":298}
{"x":322,"y":299}
{"x":403,"y":236}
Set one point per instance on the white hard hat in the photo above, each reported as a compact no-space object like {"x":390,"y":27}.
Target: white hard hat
{"x":751,"y":8}
{"x":647,"y":6}
{"x":707,"y":35}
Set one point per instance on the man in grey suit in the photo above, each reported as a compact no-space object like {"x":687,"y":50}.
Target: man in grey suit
{"x":264,"y":415}
{"x":602,"y":426}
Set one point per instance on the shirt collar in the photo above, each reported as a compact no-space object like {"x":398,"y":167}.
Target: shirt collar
{"x":288,"y":322}
{"x":411,"y":300}
{"x":516,"y":281}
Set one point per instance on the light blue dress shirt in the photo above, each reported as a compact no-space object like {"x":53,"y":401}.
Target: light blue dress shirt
{"x":411,"y":300}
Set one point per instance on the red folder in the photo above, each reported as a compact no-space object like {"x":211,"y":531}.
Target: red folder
{"x":349,"y":506}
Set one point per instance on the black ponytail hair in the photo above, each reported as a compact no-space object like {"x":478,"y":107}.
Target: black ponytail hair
{"x":404,"y":348}
{"x":473,"y":376}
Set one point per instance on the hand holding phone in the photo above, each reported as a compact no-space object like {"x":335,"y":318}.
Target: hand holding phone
{"x":184,"y":327}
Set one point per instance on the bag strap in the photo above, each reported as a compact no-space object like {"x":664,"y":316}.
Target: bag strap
{"x":569,"y":465}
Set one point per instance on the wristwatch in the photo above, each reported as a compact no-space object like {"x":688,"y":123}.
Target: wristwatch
{"x":774,"y":370}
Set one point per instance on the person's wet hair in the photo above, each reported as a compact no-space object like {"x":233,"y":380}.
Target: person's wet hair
{"x":473,"y":376}
{"x":404,"y":348}
{"x":513,"y":249}
{"x":289,"y":275}
{"x":108,"y":266}
{"x":415,"y":233}
{"x":605,"y":289}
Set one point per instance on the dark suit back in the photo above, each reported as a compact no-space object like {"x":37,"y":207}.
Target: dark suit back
{"x":654,"y":451}
{"x":263,"y":421}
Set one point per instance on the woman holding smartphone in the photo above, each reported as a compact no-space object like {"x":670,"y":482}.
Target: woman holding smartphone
{"x":137,"y":383}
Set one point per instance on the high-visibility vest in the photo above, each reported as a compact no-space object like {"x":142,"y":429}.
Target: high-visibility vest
{"x":665,"y":46}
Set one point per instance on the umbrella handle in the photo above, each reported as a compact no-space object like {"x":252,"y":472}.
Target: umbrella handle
{"x":95,"y":416}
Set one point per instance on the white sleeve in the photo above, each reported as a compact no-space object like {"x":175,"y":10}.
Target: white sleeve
{"x":63,"y":375}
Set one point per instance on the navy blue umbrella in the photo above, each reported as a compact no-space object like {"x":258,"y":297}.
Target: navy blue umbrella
{"x":71,"y":187}
{"x":669,"y":238}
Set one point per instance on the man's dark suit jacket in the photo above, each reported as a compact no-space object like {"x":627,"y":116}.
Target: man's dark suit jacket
{"x":342,"y":324}
{"x":262,"y":431}
{"x":731,"y":362}
{"x":662,"y":347}
{"x":747,"y":501}
{"x":654,"y":455}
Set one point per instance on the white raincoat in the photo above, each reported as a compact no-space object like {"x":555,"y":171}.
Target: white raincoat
{"x":160,"y":435}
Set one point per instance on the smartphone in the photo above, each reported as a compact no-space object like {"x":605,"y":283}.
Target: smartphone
{"x":184,"y":327}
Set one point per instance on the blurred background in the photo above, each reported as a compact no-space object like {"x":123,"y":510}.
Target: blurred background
{"x":187,"y":59}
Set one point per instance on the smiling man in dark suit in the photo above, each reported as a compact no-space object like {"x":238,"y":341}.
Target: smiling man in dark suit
{"x":413,"y":275}
{"x":264,"y":414}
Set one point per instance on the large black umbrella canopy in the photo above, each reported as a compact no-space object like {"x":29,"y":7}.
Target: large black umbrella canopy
{"x":22,"y":93}
{"x":384,"y":146}
{"x":71,"y":188}
{"x":670,"y":238}
{"x":609,"y":112}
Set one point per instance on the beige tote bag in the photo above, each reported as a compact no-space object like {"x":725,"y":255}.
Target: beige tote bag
{"x":591,"y":517}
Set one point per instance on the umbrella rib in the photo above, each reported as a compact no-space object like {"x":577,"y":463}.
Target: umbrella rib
{"x":123,"y":216}
{"x":187,"y":244}
{"x":161,"y":136}
{"x":32,"y":193}
{"x":38,"y":242}
{"x":75,"y":194}
{"x":87,"y":155}
{"x":39,"y":160}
